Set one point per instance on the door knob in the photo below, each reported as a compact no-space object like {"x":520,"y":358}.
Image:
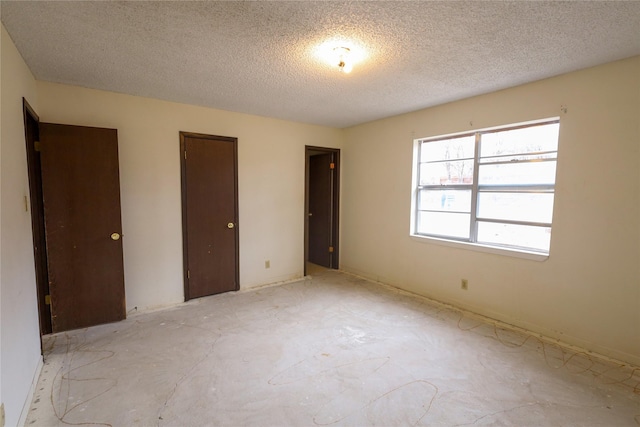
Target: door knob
{"x":230,"y":225}
{"x":115,"y":236}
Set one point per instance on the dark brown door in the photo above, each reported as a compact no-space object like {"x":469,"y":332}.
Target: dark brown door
{"x":81,"y":195}
{"x":209,"y":214}
{"x":321,"y":246}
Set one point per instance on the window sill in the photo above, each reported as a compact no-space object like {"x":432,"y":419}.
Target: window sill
{"x":533,"y":256}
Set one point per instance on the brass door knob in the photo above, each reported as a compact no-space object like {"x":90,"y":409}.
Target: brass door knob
{"x":115,"y":236}
{"x":230,"y":225}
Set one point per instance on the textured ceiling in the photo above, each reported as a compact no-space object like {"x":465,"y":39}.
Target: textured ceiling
{"x":259,"y":57}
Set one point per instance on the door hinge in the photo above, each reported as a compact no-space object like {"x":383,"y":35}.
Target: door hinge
{"x":330,"y":249}
{"x":332,"y":165}
{"x":188,"y":274}
{"x":47,"y":299}
{"x":185,"y":154}
{"x":37,"y":146}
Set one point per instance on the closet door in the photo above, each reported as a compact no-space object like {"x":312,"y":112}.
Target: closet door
{"x":209,"y":214}
{"x":81,"y":198}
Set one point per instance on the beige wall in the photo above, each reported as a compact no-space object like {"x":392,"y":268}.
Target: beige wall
{"x":588,"y":292}
{"x":271,"y":184}
{"x":19,"y":343}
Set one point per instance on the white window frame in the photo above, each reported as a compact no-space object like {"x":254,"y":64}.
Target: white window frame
{"x":471,"y":243}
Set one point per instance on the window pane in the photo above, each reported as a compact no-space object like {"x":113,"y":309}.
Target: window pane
{"x":525,"y":140}
{"x":520,"y":236}
{"x":447,"y":173}
{"x":532,"y":173}
{"x":454,"y":148}
{"x":445,"y":200}
{"x":530,"y":207}
{"x":444,"y":224}
{"x":520,"y":157}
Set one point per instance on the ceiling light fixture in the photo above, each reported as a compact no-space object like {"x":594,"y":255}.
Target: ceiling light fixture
{"x":343,"y":59}
{"x":341,"y":53}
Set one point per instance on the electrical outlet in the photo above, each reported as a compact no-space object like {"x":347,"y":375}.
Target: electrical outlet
{"x":267,"y":264}
{"x":464,"y":284}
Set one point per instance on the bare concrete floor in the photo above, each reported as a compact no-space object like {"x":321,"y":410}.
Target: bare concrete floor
{"x":334,"y":350}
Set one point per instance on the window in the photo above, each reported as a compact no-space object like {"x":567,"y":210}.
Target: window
{"x":492,"y":187}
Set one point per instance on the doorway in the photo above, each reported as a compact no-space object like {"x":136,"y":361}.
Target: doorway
{"x":209,"y":170}
{"x":75,"y":211}
{"x":322,"y":195}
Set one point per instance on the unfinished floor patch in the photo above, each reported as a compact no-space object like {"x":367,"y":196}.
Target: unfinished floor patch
{"x":332,"y":350}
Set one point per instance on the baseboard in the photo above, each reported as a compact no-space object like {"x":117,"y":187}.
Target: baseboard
{"x":274,"y":281}
{"x":27,"y":403}
{"x":568,"y":342}
{"x":146,"y":310}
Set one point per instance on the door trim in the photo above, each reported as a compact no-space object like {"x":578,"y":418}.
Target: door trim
{"x":37,"y":217}
{"x":183,"y":196}
{"x":309,"y":151}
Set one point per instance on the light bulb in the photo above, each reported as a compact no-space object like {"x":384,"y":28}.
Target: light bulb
{"x":344,"y":63}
